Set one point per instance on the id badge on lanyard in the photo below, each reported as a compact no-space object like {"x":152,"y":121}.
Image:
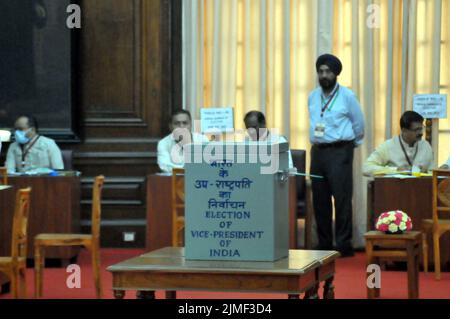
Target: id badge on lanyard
{"x":319,"y":131}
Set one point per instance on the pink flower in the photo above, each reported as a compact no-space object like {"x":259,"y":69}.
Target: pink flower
{"x":384,"y":215}
{"x":399,"y":215}
{"x":383,"y":227}
{"x":408,"y":224}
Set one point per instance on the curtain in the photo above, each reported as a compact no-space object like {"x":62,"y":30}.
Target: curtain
{"x":260,"y":55}
{"x":444,"y":83}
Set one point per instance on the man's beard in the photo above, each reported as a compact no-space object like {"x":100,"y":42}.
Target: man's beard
{"x":327,"y":84}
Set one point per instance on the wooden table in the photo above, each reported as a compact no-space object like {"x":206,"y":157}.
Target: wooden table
{"x":167,"y":269}
{"x":6,"y":208}
{"x":159,"y":212}
{"x":411,"y":195}
{"x":404,"y":247}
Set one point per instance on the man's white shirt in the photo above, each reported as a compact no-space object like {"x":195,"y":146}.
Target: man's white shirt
{"x":171,"y":154}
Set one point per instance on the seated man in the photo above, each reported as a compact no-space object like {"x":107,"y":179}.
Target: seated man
{"x":255,"y":124}
{"x":402,"y":152}
{"x":31,"y":150}
{"x":170,"y":148}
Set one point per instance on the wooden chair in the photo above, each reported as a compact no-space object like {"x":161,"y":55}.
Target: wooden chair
{"x":67,"y":156}
{"x":15,"y":266}
{"x":3,"y":176}
{"x":90,"y":241}
{"x":438,"y":225}
{"x":178,"y":207}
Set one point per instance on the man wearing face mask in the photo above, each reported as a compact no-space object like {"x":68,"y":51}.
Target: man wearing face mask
{"x":170,"y":148}
{"x":336,"y":128}
{"x":30,"y":150}
{"x":402,"y":152}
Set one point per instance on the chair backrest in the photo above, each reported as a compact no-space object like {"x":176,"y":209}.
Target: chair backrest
{"x":97,"y":206}
{"x":67,"y":159}
{"x":441,"y":193}
{"x":177,"y":201}
{"x":20,"y":224}
{"x":3,"y":176}
{"x":299,"y":161}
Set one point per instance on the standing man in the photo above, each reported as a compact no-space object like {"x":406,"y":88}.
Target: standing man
{"x":336,"y":128}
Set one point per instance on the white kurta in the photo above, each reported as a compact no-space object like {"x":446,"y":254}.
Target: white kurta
{"x":171,"y":155}
{"x":389,"y":156}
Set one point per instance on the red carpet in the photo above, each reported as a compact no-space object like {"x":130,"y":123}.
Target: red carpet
{"x":349,"y":282}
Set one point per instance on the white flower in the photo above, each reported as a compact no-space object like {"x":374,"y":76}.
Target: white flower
{"x":393,"y":228}
{"x":402,"y":226}
{"x":391,"y":217}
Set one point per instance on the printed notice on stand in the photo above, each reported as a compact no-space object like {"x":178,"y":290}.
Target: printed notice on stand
{"x":431,"y":106}
{"x":217,"y":120}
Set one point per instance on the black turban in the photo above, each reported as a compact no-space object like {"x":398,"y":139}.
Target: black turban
{"x":331,"y":61}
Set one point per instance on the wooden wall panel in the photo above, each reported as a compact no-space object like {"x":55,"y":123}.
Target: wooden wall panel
{"x":110,"y":59}
{"x":129,"y":63}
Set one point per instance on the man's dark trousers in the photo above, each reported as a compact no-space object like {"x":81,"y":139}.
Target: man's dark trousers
{"x":335,"y":163}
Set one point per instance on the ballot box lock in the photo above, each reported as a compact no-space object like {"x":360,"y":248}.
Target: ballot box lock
{"x":283,"y":176}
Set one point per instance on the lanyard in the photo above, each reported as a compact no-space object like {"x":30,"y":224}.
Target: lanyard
{"x":25,"y":151}
{"x":406,"y":155}
{"x":324,"y":108}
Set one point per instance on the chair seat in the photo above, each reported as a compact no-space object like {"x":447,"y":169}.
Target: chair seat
{"x":63,"y":239}
{"x":8,"y":261}
{"x":442,"y":222}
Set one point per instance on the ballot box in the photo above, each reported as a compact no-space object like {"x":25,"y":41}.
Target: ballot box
{"x":236,"y":201}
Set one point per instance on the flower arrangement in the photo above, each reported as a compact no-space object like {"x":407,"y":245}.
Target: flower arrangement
{"x":393,"y":222}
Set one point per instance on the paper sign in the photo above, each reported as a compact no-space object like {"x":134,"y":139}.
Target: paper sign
{"x":217,"y":120}
{"x":431,"y":106}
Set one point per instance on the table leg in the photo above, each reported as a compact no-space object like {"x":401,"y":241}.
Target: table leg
{"x":141,"y":294}
{"x":328,"y":289}
{"x":417,"y":271}
{"x":413,"y":275}
{"x":119,"y":294}
{"x":312,"y":293}
{"x":171,"y":294}
{"x":371,"y":292}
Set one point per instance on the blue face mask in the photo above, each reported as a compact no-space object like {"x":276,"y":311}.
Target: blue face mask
{"x":21,"y":137}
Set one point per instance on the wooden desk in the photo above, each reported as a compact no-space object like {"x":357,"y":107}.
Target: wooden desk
{"x":411,"y":195}
{"x":54,"y":208}
{"x":7,"y":197}
{"x":167,"y":269}
{"x":159,"y":212}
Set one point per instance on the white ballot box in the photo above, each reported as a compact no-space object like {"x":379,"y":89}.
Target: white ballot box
{"x":236,"y":201}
